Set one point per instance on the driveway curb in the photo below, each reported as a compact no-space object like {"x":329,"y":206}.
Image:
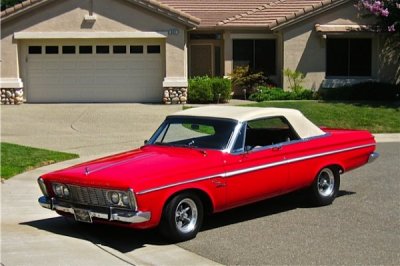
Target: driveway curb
{"x":387,"y":137}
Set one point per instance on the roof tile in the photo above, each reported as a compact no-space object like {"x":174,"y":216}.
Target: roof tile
{"x":227,"y":13}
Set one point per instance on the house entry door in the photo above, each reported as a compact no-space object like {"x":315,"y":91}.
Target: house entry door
{"x":201,"y":60}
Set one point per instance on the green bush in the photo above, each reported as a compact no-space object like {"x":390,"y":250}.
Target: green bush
{"x":199,"y":90}
{"x":209,"y":90}
{"x":245,"y":80}
{"x":273,"y":94}
{"x":221,"y":89}
{"x":367,"y":91}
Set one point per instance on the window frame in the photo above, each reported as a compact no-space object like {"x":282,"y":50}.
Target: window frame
{"x":51,"y":49}
{"x":254,"y":48}
{"x":351,"y":61}
{"x":32,"y":48}
{"x":244,"y":130}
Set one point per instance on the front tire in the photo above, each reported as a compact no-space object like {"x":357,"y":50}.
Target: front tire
{"x":182,"y":217}
{"x":325,"y":186}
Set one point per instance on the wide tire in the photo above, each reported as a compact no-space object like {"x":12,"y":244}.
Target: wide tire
{"x":182,"y":217}
{"x":325,"y":186}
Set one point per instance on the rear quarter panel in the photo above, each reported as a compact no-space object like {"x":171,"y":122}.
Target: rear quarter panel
{"x":347,"y":149}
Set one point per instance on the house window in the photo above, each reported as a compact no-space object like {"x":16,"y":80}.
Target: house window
{"x":35,"y":49}
{"x":85,"y":49}
{"x":153,"y":49}
{"x":205,"y":36}
{"x":136,"y":49}
{"x":348,"y":57}
{"x":51,"y":49}
{"x":119,"y":49}
{"x":68,"y":49}
{"x":259,"y":55}
{"x":102,"y":49}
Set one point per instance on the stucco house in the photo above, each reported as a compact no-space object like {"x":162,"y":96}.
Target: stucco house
{"x":141,"y":50}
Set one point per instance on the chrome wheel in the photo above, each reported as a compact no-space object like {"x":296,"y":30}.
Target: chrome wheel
{"x":182,"y":217}
{"x":325,"y":187}
{"x":326,"y":182}
{"x":186,"y":215}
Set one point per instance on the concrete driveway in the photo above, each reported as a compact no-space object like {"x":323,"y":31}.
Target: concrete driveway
{"x":31,"y":235}
{"x":85,"y":129}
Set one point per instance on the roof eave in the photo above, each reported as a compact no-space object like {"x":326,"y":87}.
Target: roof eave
{"x":151,"y":5}
{"x":234,"y":27}
{"x":306,"y":14}
{"x":22,"y":8}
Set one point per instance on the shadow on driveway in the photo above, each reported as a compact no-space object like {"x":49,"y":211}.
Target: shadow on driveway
{"x":126,"y":240}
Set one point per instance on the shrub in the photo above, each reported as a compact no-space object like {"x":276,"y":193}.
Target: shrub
{"x":273,"y":94}
{"x":208,"y":90}
{"x":295,"y":79}
{"x":246,"y":81}
{"x":221,"y":89}
{"x":367,"y":91}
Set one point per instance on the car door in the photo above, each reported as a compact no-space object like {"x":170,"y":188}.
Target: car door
{"x":256,"y":168}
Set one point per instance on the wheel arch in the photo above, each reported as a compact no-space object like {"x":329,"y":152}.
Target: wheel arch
{"x":334,"y":166}
{"x":208,"y":205}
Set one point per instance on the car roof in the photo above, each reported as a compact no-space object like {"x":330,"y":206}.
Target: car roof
{"x":304,"y":127}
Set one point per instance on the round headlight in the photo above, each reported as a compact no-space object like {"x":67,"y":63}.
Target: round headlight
{"x":66,"y":192}
{"x":114,"y":197}
{"x":125,"y":200}
{"x":58,"y":189}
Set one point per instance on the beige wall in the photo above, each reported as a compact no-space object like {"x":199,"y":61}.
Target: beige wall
{"x":304,"y":48}
{"x":111,"y":16}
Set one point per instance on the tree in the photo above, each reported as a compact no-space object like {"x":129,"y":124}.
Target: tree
{"x":387,"y":13}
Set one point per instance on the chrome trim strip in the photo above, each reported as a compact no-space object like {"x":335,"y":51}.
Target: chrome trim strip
{"x":127,"y":216}
{"x":179,"y":183}
{"x":294,"y":160}
{"x":256,"y":168}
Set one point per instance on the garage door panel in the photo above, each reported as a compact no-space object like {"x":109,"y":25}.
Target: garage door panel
{"x":95,"y":78}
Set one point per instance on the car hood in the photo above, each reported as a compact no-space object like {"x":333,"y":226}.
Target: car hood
{"x":143,"y":168}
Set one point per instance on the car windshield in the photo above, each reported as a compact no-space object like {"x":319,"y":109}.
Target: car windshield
{"x":206,"y":133}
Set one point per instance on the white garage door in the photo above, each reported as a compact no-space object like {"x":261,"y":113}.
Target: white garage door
{"x":95,"y":73}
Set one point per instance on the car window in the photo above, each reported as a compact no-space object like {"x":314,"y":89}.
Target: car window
{"x":239,"y":143}
{"x":194,"y":132}
{"x":268,"y":131}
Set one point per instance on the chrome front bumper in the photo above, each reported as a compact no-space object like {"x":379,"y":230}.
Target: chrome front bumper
{"x":373,"y":156}
{"x":113,"y":214}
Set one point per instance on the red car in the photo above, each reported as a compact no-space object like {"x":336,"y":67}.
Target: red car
{"x":207,"y":160}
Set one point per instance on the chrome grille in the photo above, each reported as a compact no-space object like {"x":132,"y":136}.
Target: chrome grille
{"x":88,"y":196}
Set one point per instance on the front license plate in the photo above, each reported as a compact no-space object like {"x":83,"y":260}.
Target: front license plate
{"x":82,"y":216}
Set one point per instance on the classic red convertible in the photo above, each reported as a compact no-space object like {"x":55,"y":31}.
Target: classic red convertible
{"x":207,"y":160}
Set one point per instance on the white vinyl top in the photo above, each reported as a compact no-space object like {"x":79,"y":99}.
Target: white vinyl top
{"x":304,"y":127}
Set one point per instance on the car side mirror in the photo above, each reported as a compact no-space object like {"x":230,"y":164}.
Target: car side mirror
{"x":146,"y":141}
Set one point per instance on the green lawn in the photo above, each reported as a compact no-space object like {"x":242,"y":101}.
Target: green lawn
{"x":16,"y":159}
{"x":375,"y":117}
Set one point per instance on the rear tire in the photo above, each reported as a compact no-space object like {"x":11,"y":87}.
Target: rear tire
{"x":325,"y":187}
{"x":182,"y":217}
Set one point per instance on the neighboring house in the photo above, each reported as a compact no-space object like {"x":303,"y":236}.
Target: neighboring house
{"x":145,"y":50}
